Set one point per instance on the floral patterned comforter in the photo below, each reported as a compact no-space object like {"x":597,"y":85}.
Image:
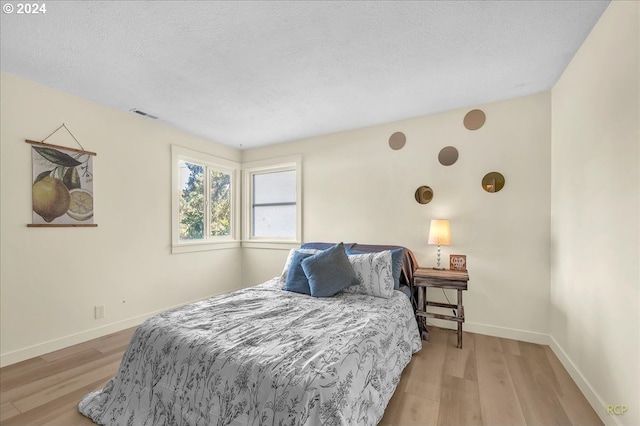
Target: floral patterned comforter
{"x":262,"y":356}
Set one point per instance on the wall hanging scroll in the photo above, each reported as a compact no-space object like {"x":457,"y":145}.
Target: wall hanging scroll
{"x":62,"y":189}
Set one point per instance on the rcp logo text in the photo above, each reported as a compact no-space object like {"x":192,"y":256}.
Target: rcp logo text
{"x":618,"y":409}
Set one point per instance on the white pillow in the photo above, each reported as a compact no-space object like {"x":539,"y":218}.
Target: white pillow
{"x":285,"y":270}
{"x":374,"y":272}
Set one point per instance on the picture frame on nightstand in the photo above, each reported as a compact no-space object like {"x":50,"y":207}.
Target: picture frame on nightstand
{"x":458,"y":262}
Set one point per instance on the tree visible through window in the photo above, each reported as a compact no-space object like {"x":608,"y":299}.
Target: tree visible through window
{"x":202,"y":186}
{"x":191,"y":201}
{"x":205,"y":201}
{"x":220,"y":191}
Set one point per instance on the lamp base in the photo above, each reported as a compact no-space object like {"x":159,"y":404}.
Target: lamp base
{"x":438,"y":268}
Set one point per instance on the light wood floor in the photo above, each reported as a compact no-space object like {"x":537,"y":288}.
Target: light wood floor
{"x":490,"y":381}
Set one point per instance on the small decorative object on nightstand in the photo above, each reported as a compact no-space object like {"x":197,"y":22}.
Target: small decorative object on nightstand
{"x":424,"y":278}
{"x":458,"y":262}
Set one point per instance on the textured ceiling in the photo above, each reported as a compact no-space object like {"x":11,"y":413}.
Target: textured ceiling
{"x":253,"y":73}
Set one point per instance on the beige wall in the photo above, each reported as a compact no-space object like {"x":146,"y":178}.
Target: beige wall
{"x":356,"y":189}
{"x":51,"y":278}
{"x":595,"y":214}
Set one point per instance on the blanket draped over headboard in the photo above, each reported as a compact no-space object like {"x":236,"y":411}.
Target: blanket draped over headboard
{"x":409,"y":262}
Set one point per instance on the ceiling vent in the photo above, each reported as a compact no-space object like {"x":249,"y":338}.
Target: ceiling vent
{"x":144,"y":114}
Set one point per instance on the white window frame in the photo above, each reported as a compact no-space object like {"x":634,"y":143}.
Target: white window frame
{"x":208,"y":242}
{"x":269,"y":166}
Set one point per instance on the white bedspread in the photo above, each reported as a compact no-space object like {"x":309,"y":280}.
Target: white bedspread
{"x":262,"y":356}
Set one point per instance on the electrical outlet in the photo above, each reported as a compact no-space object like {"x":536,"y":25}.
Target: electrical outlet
{"x":98,"y":311}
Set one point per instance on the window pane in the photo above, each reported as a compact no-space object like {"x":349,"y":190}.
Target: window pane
{"x":191,"y":201}
{"x":220,"y":203}
{"x":274,"y":221}
{"x":276,"y":187}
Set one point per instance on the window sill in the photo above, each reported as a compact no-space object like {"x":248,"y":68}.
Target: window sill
{"x":271,"y":244}
{"x":203,"y":246}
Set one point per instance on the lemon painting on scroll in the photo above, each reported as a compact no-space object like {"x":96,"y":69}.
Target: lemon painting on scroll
{"x":62,"y":191}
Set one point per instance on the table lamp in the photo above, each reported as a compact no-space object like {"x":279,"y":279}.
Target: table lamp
{"x":440,"y":234}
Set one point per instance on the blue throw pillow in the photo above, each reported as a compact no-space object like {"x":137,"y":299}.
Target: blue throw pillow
{"x":329,"y":272}
{"x":396,"y":264}
{"x":296,"y":279}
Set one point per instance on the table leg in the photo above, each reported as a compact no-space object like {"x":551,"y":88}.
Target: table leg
{"x":422,"y":321}
{"x":460,"y":314}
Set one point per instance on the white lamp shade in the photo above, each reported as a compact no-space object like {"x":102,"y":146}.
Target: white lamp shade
{"x":440,"y":232}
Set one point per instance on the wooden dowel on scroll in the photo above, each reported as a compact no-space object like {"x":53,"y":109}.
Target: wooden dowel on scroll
{"x":48,"y":145}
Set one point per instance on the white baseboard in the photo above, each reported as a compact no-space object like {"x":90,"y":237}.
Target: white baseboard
{"x":583,"y":384}
{"x":492,"y":330}
{"x":84,"y":336}
{"x":70,"y":340}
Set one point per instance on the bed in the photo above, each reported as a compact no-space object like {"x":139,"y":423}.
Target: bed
{"x":263,"y":356}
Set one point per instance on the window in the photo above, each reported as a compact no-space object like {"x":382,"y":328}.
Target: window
{"x":273,"y":204}
{"x":204,"y":202}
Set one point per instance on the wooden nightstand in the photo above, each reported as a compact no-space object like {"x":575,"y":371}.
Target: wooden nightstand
{"x":435,"y":278}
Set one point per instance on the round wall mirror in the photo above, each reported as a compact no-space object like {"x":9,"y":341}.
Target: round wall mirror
{"x":424,"y":194}
{"x":448,"y":155}
{"x":397,"y":140}
{"x":474,"y":119}
{"x":493,"y":182}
